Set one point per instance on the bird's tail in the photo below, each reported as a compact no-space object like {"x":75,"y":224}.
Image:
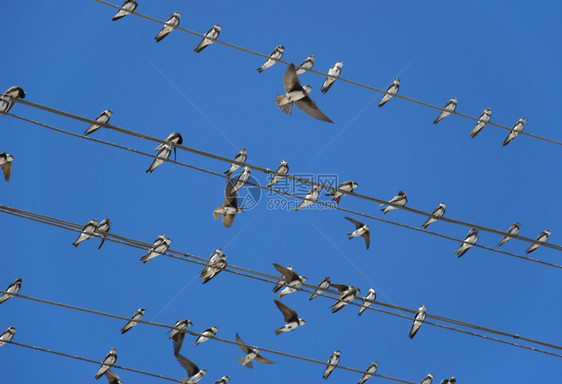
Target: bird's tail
{"x":349,"y":235}
{"x":261,"y":69}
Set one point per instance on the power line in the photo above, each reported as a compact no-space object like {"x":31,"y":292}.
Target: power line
{"x":265,"y":170}
{"x":339,"y":78}
{"x":306,"y":288}
{"x":324,"y":204}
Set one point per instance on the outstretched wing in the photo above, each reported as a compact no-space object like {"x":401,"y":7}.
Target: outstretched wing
{"x":357,"y":224}
{"x":289,"y":314}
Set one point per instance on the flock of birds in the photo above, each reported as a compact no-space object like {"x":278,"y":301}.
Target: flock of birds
{"x":289,"y":280}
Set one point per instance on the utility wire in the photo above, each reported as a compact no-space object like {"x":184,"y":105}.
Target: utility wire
{"x":264,"y":170}
{"x":306,"y":288}
{"x":339,"y":78}
{"x":323,"y":204}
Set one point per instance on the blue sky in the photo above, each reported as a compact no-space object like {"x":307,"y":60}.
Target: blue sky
{"x":502,"y":55}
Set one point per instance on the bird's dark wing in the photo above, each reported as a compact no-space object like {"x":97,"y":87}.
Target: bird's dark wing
{"x":291,"y":80}
{"x":230,"y":197}
{"x":242,"y":345}
{"x":357,"y":224}
{"x":289,"y":314}
{"x":340,"y":287}
{"x":287,"y":273}
{"x":190,"y":367}
{"x":367,"y":237}
{"x":177,"y":340}
{"x":308,"y":106}
{"x":112,"y":377}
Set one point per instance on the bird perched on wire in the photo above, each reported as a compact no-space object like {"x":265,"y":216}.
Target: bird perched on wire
{"x":401,"y":199}
{"x":210,"y":37}
{"x":333,"y":74}
{"x":172,"y":22}
{"x":447,"y":110}
{"x":391,"y":91}
{"x":275,"y":56}
{"x":6,"y":161}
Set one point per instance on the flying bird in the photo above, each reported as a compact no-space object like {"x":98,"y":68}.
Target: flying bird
{"x":229,"y":209}
{"x":296,"y":94}
{"x":112,"y":377}
{"x":360,"y":230}
{"x":324,"y":284}
{"x":173,"y":138}
{"x":6,"y":164}
{"x":206,"y":335}
{"x":282,"y":169}
{"x":347,"y":295}
{"x":516,"y":130}
{"x":172,"y":22}
{"x":107,"y":363}
{"x":368,"y":300}
{"x":87,"y":232}
{"x":276,"y":55}
{"x":332,"y":363}
{"x":126,"y":9}
{"x":216,"y":263}
{"x":483,"y":120}
{"x":371,"y":370}
{"x":428,"y":379}
{"x":134,"y":320}
{"x":241,"y":157}
{"x":159,"y":246}
{"x":468,"y":242}
{"x":210,"y":37}
{"x":419,"y":317}
{"x":436,"y":214}
{"x":333,"y":74}
{"x":242,"y":178}
{"x":391,"y":91}
{"x":281,"y":280}
{"x":513,"y":230}
{"x":290,"y":317}
{"x":178,"y":334}
{"x":251,"y":354}
{"x":292,"y":280}
{"x":8,"y":97}
{"x":401,"y":199}
{"x":7,"y":335}
{"x":343,"y":188}
{"x":541,"y":239}
{"x":160,"y":158}
{"x":103,"y":118}
{"x":12,"y":290}
{"x":306,"y":65}
{"x":223,"y":380}
{"x":103,"y":229}
{"x":193,"y":372}
{"x":452,"y":380}
{"x":310,"y":198}
{"x":447,"y":110}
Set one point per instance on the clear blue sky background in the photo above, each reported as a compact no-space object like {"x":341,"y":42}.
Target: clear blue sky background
{"x":70,"y":55}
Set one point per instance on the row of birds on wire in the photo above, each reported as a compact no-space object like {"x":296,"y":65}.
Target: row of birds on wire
{"x":297,"y":94}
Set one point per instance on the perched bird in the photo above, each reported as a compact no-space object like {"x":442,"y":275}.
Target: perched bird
{"x":126,"y":9}
{"x":347,"y":295}
{"x":12,"y":290}
{"x":447,"y":110}
{"x":281,"y":280}
{"x":332,"y":363}
{"x":513,"y":230}
{"x":296,"y":94}
{"x":7,"y":335}
{"x":324,"y":284}
{"x":103,"y":118}
{"x":401,"y":199}
{"x":452,"y":380}
{"x":216,"y":263}
{"x":310,"y":198}
{"x":87,"y":232}
{"x":436,"y":214}
{"x":206,"y":335}
{"x":333,"y":74}
{"x":160,"y":158}
{"x":229,"y":209}
{"x":428,"y":379}
{"x":8,"y":97}
{"x":173,"y":138}
{"x":109,"y":360}
{"x":276,"y":55}
{"x":541,"y":239}
{"x":483,"y":120}
{"x":371,"y":370}
{"x":306,"y":65}
{"x":4,"y":104}
{"x":178,"y":334}
{"x":468,"y":242}
{"x":134,"y":320}
{"x":292,"y":280}
{"x":419,"y":317}
{"x":282,"y":169}
{"x":367,"y":300}
{"x":343,"y":188}
{"x":193,"y":372}
{"x":241,"y":157}
{"x":112,"y":377}
{"x":391,"y":91}
{"x":290,"y":317}
{"x":6,"y":164}
{"x":159,"y":246}
{"x":172,"y":22}
{"x":251,"y":354}
{"x":223,"y":380}
{"x":360,"y":230}
{"x":516,"y":130}
{"x":210,"y":37}
{"x":103,"y":228}
{"x":242,"y":178}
